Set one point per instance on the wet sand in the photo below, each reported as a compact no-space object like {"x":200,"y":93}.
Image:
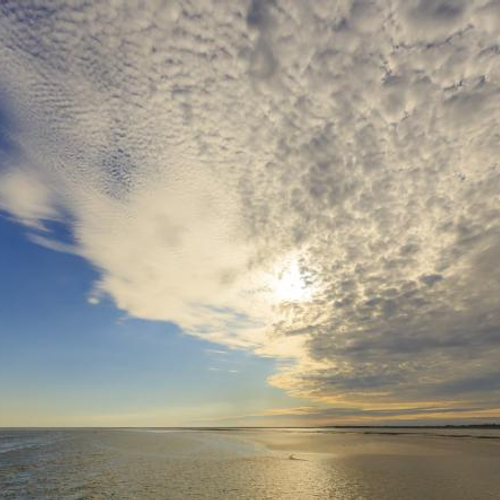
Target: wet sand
{"x":368,"y":442}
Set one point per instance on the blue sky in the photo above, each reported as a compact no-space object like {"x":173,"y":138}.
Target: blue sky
{"x":64,"y":361}
{"x":312,"y":191}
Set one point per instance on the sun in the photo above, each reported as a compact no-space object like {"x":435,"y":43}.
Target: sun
{"x":288,"y":283}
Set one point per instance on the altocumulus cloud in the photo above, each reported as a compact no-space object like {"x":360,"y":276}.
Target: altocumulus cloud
{"x":199,"y":148}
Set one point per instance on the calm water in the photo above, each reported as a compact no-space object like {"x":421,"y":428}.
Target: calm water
{"x":263,"y":464}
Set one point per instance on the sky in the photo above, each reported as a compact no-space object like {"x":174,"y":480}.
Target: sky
{"x":259,"y":212}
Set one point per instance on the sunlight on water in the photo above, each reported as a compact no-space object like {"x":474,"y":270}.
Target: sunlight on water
{"x":144,"y":464}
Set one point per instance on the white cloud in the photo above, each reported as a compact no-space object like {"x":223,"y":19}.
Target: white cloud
{"x":198,"y":146}
{"x":25,"y":196}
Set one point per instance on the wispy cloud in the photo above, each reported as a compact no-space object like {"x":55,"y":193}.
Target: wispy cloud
{"x":199,"y":148}
{"x":216,"y":352}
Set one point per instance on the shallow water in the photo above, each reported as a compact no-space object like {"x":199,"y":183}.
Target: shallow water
{"x":246,"y":464}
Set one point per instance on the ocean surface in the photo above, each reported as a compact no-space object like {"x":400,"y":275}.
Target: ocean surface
{"x":249,"y":464}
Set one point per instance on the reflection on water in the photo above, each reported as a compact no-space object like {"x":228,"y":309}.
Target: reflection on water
{"x":101,"y":464}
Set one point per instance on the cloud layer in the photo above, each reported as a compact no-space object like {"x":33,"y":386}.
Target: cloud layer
{"x":204,"y":152}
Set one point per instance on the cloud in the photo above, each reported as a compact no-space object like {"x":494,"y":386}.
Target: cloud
{"x":201,"y":150}
{"x":423,"y":415}
{"x":25,"y":196}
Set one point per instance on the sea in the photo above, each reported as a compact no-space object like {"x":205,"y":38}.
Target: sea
{"x":250,"y":463}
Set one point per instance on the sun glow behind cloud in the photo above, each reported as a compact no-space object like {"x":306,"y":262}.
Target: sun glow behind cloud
{"x":287,"y":284}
